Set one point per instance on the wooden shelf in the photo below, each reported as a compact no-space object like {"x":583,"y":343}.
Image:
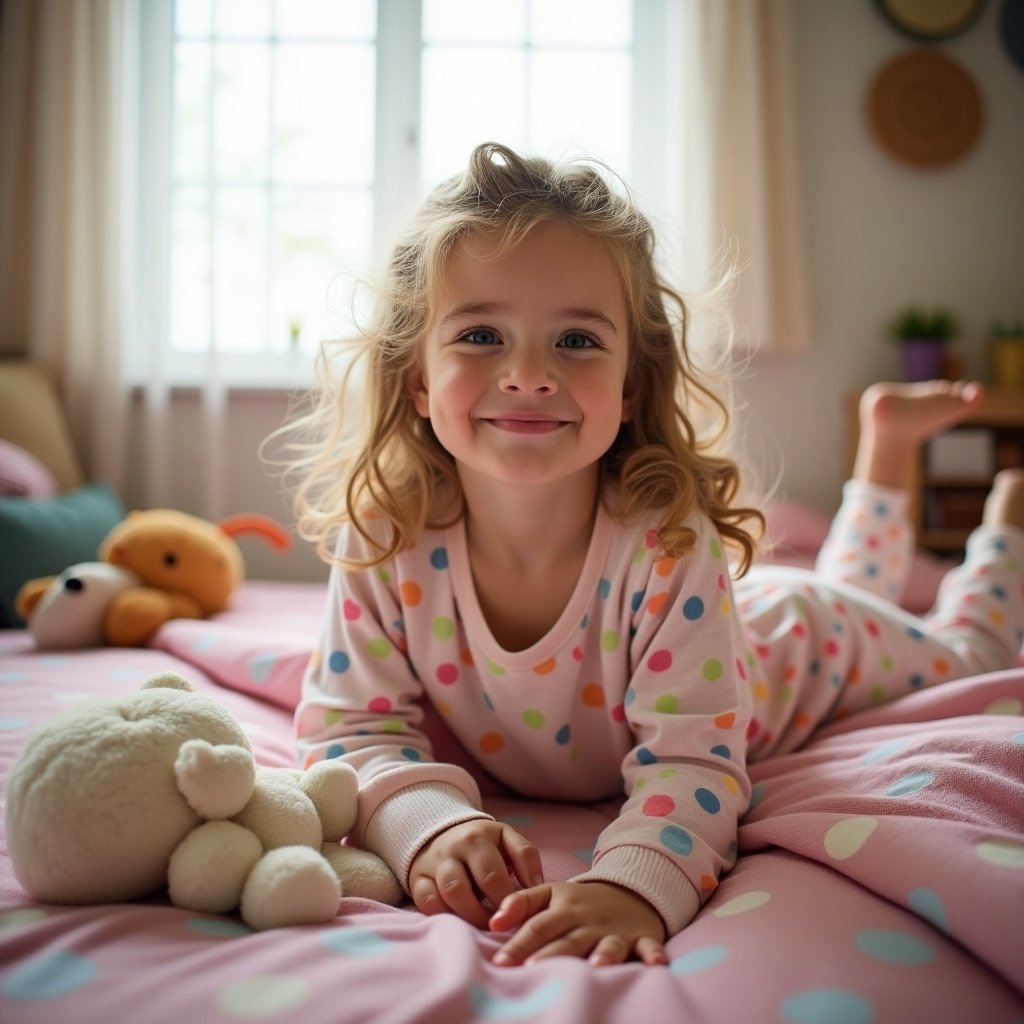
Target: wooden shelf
{"x":999,"y":409}
{"x":943,"y":540}
{"x":947,"y":480}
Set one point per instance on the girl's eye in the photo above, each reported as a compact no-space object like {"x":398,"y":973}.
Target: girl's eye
{"x":577,"y":339}
{"x":481,"y":336}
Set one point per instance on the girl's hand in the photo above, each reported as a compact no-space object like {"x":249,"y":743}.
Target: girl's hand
{"x":598,"y":920}
{"x":468,"y":862}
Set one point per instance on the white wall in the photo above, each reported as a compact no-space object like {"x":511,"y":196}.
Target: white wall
{"x":881,"y":234}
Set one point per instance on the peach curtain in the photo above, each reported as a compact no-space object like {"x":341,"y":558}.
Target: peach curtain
{"x":66,"y":191}
{"x":741,"y":178}
{"x":79,"y":233}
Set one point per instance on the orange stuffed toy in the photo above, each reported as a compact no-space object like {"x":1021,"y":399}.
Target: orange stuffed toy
{"x":173,"y":565}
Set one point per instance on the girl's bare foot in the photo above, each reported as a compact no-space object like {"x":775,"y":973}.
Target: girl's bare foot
{"x":1005,"y":502}
{"x":896,"y":419}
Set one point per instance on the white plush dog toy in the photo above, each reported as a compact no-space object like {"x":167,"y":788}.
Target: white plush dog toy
{"x":70,"y":610}
{"x":119,"y":797}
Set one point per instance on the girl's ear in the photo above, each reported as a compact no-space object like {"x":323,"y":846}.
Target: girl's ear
{"x":628,"y":399}
{"x":417,"y":390}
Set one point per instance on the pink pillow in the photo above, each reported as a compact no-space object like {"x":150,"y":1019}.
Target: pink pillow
{"x":794,"y":527}
{"x":23,"y":475}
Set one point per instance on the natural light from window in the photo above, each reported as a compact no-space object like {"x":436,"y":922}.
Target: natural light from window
{"x":276,"y":187}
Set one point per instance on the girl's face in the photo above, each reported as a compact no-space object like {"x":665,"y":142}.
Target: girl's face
{"x":523,"y":371}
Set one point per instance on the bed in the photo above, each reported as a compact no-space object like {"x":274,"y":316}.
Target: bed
{"x":880,"y":875}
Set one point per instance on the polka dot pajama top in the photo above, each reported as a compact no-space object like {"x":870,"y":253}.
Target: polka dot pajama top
{"x":649,"y":684}
{"x":640,"y":687}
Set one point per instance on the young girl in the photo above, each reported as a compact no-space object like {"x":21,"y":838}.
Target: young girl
{"x":529,"y":532}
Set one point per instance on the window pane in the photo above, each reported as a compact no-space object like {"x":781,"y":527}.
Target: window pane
{"x":322,"y":241}
{"x":191,"y":110}
{"x":324,"y":111}
{"x":462,"y":108}
{"x":240,"y":123}
{"x":474,"y":21}
{"x":579,"y":23}
{"x":242,"y":19}
{"x":240,"y":270}
{"x":314,"y":19}
{"x":190,"y":271}
{"x":192,"y":17}
{"x":284,"y":92}
{"x":581,"y":101}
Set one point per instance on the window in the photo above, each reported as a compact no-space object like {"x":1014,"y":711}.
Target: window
{"x":299,"y":130}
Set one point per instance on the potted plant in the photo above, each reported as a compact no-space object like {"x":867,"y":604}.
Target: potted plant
{"x":1006,"y":355}
{"x":922,"y":335}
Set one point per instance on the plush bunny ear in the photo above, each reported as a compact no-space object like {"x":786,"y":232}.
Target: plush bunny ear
{"x":217,"y":781}
{"x":167,"y":681}
{"x":250,"y":522}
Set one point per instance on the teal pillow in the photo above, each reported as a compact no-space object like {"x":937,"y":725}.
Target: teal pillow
{"x":43,"y":536}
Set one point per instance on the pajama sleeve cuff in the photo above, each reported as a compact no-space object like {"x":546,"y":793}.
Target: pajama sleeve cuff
{"x":408,"y":819}
{"x":653,"y":877}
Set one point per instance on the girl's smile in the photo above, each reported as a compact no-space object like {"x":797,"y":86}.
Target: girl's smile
{"x":525,"y":422}
{"x":523,"y":371}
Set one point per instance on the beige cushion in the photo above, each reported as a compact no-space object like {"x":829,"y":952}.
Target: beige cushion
{"x":31,"y":417}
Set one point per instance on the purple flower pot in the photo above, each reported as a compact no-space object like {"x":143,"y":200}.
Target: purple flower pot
{"x":923,"y":358}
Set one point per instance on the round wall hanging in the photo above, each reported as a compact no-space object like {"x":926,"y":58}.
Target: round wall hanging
{"x":925,"y":109}
{"x":931,"y":19}
{"x":1012,"y":27}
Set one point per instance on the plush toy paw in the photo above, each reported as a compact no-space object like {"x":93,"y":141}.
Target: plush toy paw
{"x":363,"y":874}
{"x":290,"y":885}
{"x":134,"y":615}
{"x":207,"y":871}
{"x":280,"y":813}
{"x":333,"y":786}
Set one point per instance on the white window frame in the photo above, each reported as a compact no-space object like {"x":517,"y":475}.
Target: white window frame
{"x":654,"y":174}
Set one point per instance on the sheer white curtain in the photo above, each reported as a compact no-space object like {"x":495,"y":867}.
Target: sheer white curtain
{"x":79,"y":235}
{"x":741,"y":180}
{"x":67,"y":182}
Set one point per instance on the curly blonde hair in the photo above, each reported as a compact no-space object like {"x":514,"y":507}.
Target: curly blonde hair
{"x":386,"y":462}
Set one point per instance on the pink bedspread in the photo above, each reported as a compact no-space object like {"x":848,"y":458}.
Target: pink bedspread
{"x":880,"y":878}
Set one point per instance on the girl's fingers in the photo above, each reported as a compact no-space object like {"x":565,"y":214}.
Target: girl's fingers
{"x":490,"y":875}
{"x":601,"y":950}
{"x":578,"y":942}
{"x":524,"y":858}
{"x":426,"y":897}
{"x":612,"y":949}
{"x":546,"y":929}
{"x":651,"y":952}
{"x":457,"y":892}
{"x":519,"y":907}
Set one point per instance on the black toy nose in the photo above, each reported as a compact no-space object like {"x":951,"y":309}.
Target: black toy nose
{"x":75,"y":585}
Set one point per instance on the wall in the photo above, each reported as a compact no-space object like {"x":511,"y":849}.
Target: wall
{"x":881,"y":234}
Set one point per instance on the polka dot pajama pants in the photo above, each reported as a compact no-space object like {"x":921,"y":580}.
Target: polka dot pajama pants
{"x":832,"y":643}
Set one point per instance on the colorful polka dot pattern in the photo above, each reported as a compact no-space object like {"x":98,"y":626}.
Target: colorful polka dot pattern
{"x":885,"y":935}
{"x":653,"y":669}
{"x":817,"y":630}
{"x":914,"y":914}
{"x":648,"y":668}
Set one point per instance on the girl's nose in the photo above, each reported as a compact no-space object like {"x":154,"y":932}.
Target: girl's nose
{"x":529,"y":374}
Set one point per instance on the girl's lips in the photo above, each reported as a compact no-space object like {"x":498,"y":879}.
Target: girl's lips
{"x":525,"y":424}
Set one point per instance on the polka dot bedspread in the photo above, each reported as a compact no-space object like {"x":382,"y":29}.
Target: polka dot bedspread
{"x":880,"y":876}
